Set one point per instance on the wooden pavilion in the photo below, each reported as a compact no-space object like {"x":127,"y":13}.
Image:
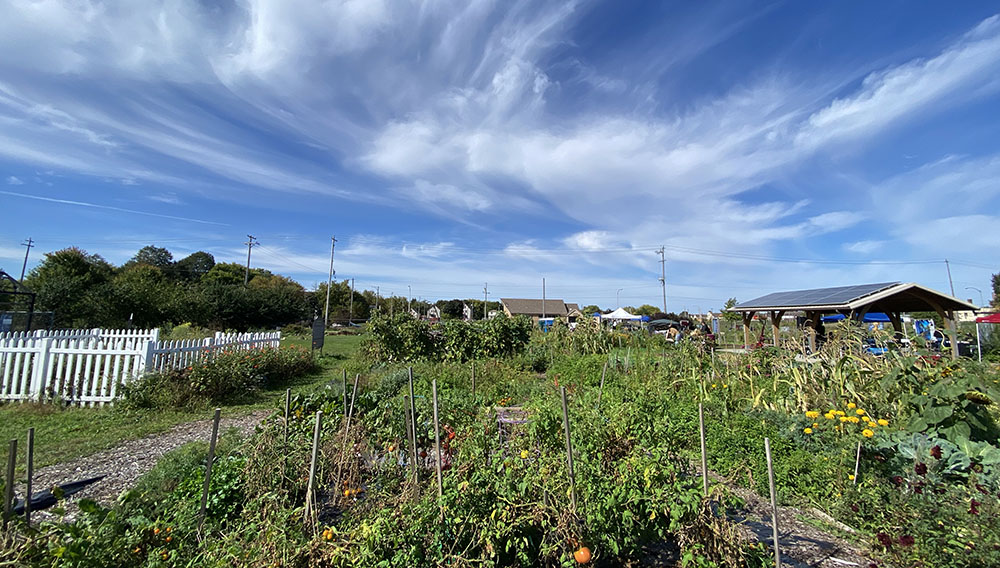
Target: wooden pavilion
{"x":891,"y":298}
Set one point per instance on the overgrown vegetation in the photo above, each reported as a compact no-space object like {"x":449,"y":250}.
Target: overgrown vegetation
{"x":924,"y":493}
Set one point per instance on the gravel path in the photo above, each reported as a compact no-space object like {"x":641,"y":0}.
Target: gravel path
{"x":125,"y":463}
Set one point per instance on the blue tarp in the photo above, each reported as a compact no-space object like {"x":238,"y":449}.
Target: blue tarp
{"x":870,"y":317}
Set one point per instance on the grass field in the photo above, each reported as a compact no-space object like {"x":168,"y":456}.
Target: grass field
{"x":65,"y":433}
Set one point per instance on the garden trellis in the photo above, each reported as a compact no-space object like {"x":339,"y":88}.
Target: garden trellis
{"x":88,"y":367}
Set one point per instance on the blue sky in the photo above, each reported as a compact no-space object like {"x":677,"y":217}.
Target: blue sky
{"x":767,"y":146}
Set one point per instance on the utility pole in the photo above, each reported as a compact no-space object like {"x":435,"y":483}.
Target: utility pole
{"x":27,"y":244}
{"x":486,"y":295}
{"x":663,"y":277}
{"x":251,"y":241}
{"x":543,"y":298}
{"x":376,"y":298}
{"x":409,"y":293}
{"x":350,"y":311}
{"x":950,"y":283}
{"x":329,"y":283}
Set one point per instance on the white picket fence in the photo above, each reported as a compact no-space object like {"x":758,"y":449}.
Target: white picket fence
{"x":87,"y":367}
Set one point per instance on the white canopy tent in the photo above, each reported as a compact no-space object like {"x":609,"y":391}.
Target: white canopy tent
{"x":620,"y":314}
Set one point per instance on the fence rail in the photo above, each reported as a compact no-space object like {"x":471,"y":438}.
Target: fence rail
{"x":88,"y":367}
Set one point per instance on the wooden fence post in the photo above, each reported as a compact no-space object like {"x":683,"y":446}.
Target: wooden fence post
{"x":774,"y":503}
{"x":704,"y":454}
{"x":30,"y":471}
{"x":569,"y":450}
{"x":8,"y":492}
{"x":437,"y":444}
{"x":310,"y":507}
{"x":208,"y":468}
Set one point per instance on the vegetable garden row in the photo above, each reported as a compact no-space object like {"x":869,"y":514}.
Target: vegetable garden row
{"x":901,"y":449}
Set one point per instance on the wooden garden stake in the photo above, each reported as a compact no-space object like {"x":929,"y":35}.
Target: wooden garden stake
{"x":437,"y":443}
{"x":208,"y":468}
{"x":600,"y":392}
{"x":413,"y":423}
{"x":345,"y":394}
{"x":774,"y":503}
{"x":8,"y":494}
{"x":284,"y":442}
{"x":310,"y":507}
{"x":857,"y":462}
{"x":30,"y":470}
{"x":704,"y":455}
{"x":569,"y":450}
{"x":409,"y":434}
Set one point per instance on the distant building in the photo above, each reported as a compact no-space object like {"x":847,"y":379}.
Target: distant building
{"x":466,"y":312}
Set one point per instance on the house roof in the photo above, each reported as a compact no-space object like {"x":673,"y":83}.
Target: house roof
{"x":572,"y":307}
{"x":882,"y":297}
{"x":533,"y":307}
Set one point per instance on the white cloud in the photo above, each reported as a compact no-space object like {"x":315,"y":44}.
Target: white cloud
{"x":13,"y":180}
{"x":865,"y":247}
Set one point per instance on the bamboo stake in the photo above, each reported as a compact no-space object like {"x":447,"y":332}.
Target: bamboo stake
{"x":857,"y":462}
{"x":208,"y":468}
{"x":8,"y":494}
{"x":310,"y":507}
{"x":437,"y":444}
{"x":704,"y":454}
{"x":569,"y":450}
{"x":413,"y":422}
{"x":774,"y":503}
{"x":600,"y":392}
{"x":30,"y":471}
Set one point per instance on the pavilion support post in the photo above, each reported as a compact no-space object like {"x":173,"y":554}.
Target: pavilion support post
{"x":813,"y":318}
{"x":747,"y":318}
{"x":776,"y":325}
{"x":897,"y":322}
{"x":949,"y":319}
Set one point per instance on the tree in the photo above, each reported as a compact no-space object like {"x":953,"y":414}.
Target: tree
{"x":153,"y":256}
{"x":450,"y":309}
{"x":646,"y":310}
{"x":141,"y":295}
{"x":229,"y":273}
{"x":193,"y":266}
{"x":74,"y":285}
{"x":730,"y":316}
{"x":996,"y":291}
{"x":590,"y":310}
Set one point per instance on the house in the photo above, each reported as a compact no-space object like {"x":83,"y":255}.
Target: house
{"x":538,"y":308}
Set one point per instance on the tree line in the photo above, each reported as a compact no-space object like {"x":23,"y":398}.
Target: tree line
{"x":152,"y":289}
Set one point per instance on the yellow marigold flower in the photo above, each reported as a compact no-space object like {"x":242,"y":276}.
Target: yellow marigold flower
{"x":853,"y":419}
{"x":524,"y":454}
{"x":866,"y":419}
{"x":839,"y":412}
{"x":851,"y":405}
{"x":815,"y":424}
{"x":829,"y":416}
{"x":850,"y":476}
{"x":867,"y":433}
{"x":860,"y":412}
{"x":843,"y":419}
{"x":812,"y":414}
{"x":883,"y":422}
{"x":808,"y":430}
{"x":725,"y":386}
{"x":713,"y":385}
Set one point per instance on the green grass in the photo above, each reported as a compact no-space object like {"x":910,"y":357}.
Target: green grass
{"x":66,"y":433}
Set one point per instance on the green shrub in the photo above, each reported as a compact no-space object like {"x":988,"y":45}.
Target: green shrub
{"x":228,"y":377}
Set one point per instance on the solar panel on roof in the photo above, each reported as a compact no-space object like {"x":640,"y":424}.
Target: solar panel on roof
{"x":817,"y":296}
